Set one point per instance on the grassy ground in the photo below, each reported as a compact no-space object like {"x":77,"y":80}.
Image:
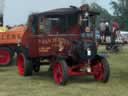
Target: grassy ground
{"x":42,"y":84}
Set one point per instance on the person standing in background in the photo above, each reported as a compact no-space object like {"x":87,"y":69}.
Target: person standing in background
{"x":102,"y":29}
{"x":107,"y":32}
{"x":115,"y":31}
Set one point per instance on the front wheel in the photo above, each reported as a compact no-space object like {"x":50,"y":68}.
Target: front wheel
{"x":101,"y":70}
{"x":24,"y":65}
{"x":60,"y":72}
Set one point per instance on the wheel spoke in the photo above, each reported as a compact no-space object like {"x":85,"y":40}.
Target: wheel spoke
{"x":58,"y":74}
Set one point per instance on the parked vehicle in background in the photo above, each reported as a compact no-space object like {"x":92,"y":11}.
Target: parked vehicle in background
{"x":8,"y":43}
{"x":124,"y":36}
{"x":9,"y":37}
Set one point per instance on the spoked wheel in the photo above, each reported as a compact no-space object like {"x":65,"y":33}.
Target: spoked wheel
{"x":101,"y":70}
{"x":24,"y":65}
{"x":5,"y":56}
{"x":60,"y":72}
{"x":36,"y":68}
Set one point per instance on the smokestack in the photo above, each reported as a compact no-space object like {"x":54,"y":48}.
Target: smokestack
{"x":1,"y":11}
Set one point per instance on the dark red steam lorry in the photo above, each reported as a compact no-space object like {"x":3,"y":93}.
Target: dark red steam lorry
{"x":65,"y":37}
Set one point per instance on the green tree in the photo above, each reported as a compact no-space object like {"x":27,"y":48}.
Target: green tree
{"x":116,"y":8}
{"x":104,"y":14}
{"x":121,"y":13}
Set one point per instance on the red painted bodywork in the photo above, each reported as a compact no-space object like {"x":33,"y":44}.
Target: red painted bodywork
{"x":47,"y":45}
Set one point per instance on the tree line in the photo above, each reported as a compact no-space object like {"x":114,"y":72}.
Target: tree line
{"x":120,"y":13}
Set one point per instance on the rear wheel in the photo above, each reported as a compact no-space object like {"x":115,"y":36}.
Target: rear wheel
{"x":24,"y":65}
{"x":101,"y":70}
{"x":6,"y":55}
{"x":60,"y":72}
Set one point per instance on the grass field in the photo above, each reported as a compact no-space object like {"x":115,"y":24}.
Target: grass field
{"x":42,"y":84}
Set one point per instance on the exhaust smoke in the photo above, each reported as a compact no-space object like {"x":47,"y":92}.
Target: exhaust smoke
{"x":2,"y":7}
{"x":1,"y":11}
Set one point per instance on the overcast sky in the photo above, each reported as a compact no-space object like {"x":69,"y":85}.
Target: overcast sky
{"x":17,"y":11}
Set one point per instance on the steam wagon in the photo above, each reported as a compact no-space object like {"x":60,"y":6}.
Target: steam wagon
{"x":8,"y":44}
{"x":65,"y":38}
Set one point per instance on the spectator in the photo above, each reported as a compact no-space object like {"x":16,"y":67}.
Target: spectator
{"x":107,"y":33}
{"x":102,"y":28}
{"x":115,"y":31}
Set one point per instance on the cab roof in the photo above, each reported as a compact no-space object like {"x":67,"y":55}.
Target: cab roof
{"x":63,"y":11}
